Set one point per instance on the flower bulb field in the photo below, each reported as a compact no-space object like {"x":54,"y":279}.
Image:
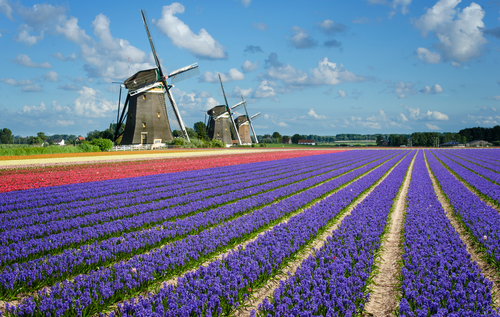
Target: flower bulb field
{"x":393,"y":232}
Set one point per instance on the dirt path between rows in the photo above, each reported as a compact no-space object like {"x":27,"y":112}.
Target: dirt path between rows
{"x":490,"y":272}
{"x":383,"y":297}
{"x":267,"y":291}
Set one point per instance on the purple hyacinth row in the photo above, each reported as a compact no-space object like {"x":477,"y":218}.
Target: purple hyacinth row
{"x":484,"y":186}
{"x":481,"y":220}
{"x":88,"y":293}
{"x":438,"y":275}
{"x":40,"y":197}
{"x":332,"y":282}
{"x":100,"y":212}
{"x":482,"y":171}
{"x":34,"y":248}
{"x":40,"y":271}
{"x":480,"y":160}
{"x":57,"y":194}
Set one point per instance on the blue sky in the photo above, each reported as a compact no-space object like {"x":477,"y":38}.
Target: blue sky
{"x":310,"y":67}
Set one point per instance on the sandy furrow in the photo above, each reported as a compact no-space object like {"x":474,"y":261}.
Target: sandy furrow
{"x":383,"y":297}
{"x":487,"y":270}
{"x":258,"y":296}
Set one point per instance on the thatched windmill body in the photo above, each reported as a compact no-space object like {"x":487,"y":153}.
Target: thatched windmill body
{"x":145,"y":109}
{"x":221,"y":125}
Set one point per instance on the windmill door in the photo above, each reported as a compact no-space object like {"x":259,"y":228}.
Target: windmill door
{"x":144,"y":138}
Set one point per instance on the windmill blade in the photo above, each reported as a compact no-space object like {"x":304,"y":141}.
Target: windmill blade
{"x":255,"y":116}
{"x":221,"y":86}
{"x":229,"y":111}
{"x":146,"y":25}
{"x":237,"y":105}
{"x":119,"y":123}
{"x":184,"y":73}
{"x":177,"y":113}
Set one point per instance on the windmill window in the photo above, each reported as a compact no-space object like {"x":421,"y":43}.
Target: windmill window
{"x":144,"y":124}
{"x":130,"y":114}
{"x":143,"y":96}
{"x":158,"y":114}
{"x":218,"y":134}
{"x":226,"y":129}
{"x":218,"y":120}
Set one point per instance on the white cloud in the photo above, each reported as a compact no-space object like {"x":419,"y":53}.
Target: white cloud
{"x":91,"y":103}
{"x":342,"y":93}
{"x":329,"y":27}
{"x":395,"y":4}
{"x":202,"y":44}
{"x":60,"y":57}
{"x":459,"y":32}
{"x":401,"y":117}
{"x":232,"y":75}
{"x":493,"y":98}
{"x":211,"y":102}
{"x":65,"y":123}
{"x":34,"y":109}
{"x":248,"y":66}
{"x":436,"y":115}
{"x":260,"y":26}
{"x":415,"y":114}
{"x":314,"y":115}
{"x":195,"y":100}
{"x":427,"y":56}
{"x":327,"y":73}
{"x":432,"y":126}
{"x":25,"y":60}
{"x":238,"y":92}
{"x":27,"y":85}
{"x":246,"y":3}
{"x":70,"y":87}
{"x":301,"y":39}
{"x":51,"y":76}
{"x":264,"y":90}
{"x":436,"y":89}
{"x":24,"y":36}
{"x":6,"y":9}
{"x":455,"y":64}
{"x":402,"y":89}
{"x":283,"y":124}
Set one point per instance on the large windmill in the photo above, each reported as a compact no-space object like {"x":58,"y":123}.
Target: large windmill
{"x":221,"y":124}
{"x":243,"y":123}
{"x":145,"y":106}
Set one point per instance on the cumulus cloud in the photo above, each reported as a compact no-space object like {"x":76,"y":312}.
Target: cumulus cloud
{"x":51,"y":76}
{"x":26,"y":85}
{"x":436,"y":89}
{"x":194,"y":100}
{"x":416,"y":114}
{"x":326,"y":73}
{"x":459,"y":32}
{"x":260,"y":26}
{"x":314,"y":115}
{"x":283,"y":124}
{"x":62,"y":58}
{"x":25,"y":60}
{"x":69,"y":87}
{"x":401,"y":117}
{"x":341,"y":93}
{"x":394,"y":4}
{"x":248,"y":66}
{"x":25,"y":37}
{"x":34,"y":109}
{"x":427,"y":56}
{"x":202,"y":45}
{"x":455,"y":64}
{"x":330,"y":27}
{"x":238,"y":92}
{"x":213,"y":77}
{"x":493,"y":98}
{"x":301,"y":39}
{"x":92,"y":104}
{"x":402,"y":89}
{"x":432,"y":126}
{"x":264,"y":90}
{"x":253,"y":49}
{"x":6,"y":8}
{"x":246,"y":3}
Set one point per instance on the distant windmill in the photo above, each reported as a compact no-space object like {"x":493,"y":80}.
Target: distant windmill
{"x":244,"y":122}
{"x":145,"y":106}
{"x":221,"y":124}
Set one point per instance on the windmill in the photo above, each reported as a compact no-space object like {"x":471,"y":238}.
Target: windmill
{"x":145,"y":107}
{"x":221,"y":124}
{"x":244,"y":122}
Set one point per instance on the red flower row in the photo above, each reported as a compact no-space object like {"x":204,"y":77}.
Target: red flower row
{"x":18,"y":179}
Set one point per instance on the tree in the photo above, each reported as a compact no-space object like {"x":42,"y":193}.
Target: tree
{"x":295,"y":138}
{"x":201,"y":129}
{"x":380,"y":140}
{"x":277,"y":136}
{"x":6,"y":136}
{"x":191,"y":133}
{"x":285,"y":139}
{"x":42,"y":136}
{"x":103,"y":144}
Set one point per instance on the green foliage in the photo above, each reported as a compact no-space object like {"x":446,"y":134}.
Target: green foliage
{"x":86,"y":146}
{"x":103,"y":144}
{"x":263,"y":144}
{"x":217,"y":144}
{"x":201,"y":130}
{"x":296,"y":138}
{"x":23,"y":150}
{"x":6,"y":136}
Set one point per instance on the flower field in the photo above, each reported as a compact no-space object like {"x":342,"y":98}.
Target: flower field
{"x":295,"y":233}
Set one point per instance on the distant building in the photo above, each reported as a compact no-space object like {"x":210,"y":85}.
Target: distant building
{"x":478,"y":143}
{"x":307,"y":142}
{"x":287,"y":142}
{"x":452,"y":144}
{"x":80,"y":139}
{"x":58,"y":142}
